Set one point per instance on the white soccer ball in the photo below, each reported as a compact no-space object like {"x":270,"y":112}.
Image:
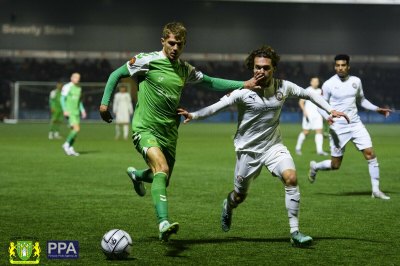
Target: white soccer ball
{"x":116,"y":244}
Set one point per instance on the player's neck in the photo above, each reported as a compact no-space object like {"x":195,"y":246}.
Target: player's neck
{"x":344,"y":78}
{"x":269,"y":89}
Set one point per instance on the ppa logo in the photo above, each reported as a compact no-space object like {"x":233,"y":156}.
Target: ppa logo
{"x":62,"y":249}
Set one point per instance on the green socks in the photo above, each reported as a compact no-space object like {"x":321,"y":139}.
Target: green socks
{"x":145,"y":175}
{"x":159,"y":195}
{"x":71,"y":137}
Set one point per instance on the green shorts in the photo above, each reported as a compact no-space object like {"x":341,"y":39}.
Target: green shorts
{"x":57,"y":116}
{"x":74,"y":119}
{"x":144,"y":140}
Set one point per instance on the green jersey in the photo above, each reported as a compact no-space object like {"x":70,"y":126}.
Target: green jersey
{"x":160,"y":87}
{"x":71,"y":98}
{"x":161,"y":82}
{"x":55,"y":100}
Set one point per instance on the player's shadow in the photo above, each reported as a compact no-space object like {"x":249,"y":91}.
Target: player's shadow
{"x":178,"y":246}
{"x":120,"y":260}
{"x":351,"y":193}
{"x":88,"y":152}
{"x":323,"y":238}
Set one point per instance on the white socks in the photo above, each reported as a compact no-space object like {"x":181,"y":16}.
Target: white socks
{"x":292,"y":201}
{"x":373,"y":168}
{"x":117,"y":132}
{"x":319,"y":140}
{"x":324,"y":165}
{"x":126,"y":131}
{"x":300,"y":141}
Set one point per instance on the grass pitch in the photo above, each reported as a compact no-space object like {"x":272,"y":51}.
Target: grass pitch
{"x":51,"y":196}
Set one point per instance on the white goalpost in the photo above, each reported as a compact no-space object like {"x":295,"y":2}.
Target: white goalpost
{"x":30,"y":99}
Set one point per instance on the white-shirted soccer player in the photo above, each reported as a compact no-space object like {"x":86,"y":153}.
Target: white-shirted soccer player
{"x":343,"y":92}
{"x":258,"y":140}
{"x":123,"y":109}
{"x":312,"y":120}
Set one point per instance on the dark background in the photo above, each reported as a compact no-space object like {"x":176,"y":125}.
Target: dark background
{"x":215,"y":27}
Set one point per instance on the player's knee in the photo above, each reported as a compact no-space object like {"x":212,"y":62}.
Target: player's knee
{"x":163,"y":168}
{"x":291,"y":180}
{"x":289,"y":177}
{"x":235,"y":198}
{"x":369,"y":154}
{"x":335,"y":165}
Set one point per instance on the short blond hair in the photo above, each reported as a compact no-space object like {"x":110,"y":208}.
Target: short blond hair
{"x":175,"y":28}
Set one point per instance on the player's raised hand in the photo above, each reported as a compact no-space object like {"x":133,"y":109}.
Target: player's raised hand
{"x":335,"y":113}
{"x":105,"y":114}
{"x":252,"y":83}
{"x":384,"y":111}
{"x":188,"y":116}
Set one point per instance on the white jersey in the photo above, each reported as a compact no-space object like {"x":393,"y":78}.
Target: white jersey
{"x":313,"y":120}
{"x":343,"y":96}
{"x":258,"y":125}
{"x":309,"y":106}
{"x":122,"y":107}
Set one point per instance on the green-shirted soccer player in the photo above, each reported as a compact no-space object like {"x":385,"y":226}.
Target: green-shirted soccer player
{"x":71,"y":102}
{"x":56,"y":112}
{"x":161,"y":76}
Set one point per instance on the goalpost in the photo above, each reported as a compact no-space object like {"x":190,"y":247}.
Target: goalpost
{"x":30,"y":99}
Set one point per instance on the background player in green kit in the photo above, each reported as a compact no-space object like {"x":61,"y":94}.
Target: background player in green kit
{"x":71,"y":102}
{"x":161,"y":77}
{"x":56,"y":112}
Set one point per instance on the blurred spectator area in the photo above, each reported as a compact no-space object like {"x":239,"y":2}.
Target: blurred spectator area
{"x":380,"y":82}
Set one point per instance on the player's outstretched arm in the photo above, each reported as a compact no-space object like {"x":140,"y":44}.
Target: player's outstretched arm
{"x":218,"y":84}
{"x":338,"y":114}
{"x":384,"y":111}
{"x":112,"y":83}
{"x":211,"y":109}
{"x":188,"y":116}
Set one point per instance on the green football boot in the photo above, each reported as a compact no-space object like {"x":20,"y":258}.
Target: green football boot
{"x":226,"y":217}
{"x":167,"y":230}
{"x":300,"y":240}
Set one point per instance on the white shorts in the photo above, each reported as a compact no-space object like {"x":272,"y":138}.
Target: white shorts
{"x":248,"y":165}
{"x":122,"y":117}
{"x":314,"y":122}
{"x":340,"y":134}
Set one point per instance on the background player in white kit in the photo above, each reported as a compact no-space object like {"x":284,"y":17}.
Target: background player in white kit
{"x":123,"y":109}
{"x":343,"y":91}
{"x":312,"y":120}
{"x":258,"y":140}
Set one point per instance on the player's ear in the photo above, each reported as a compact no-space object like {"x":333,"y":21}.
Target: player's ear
{"x":162,"y":41}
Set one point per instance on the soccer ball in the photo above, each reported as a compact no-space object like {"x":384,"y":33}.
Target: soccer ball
{"x":116,"y":244}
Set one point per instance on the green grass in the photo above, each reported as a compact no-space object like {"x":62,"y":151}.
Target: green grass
{"x":45,"y":194}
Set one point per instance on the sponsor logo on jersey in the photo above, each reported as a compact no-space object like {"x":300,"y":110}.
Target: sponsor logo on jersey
{"x":132,"y":61}
{"x":24,"y":250}
{"x":62,"y":249}
{"x":279,"y":96}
